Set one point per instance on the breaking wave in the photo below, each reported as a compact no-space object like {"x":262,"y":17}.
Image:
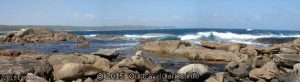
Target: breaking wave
{"x":230,"y":35}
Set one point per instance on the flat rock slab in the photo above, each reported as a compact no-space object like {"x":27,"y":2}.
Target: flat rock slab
{"x":21,"y":67}
{"x":107,"y":53}
{"x":287,"y":60}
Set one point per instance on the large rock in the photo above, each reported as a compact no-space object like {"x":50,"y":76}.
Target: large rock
{"x":107,"y":53}
{"x":266,"y":72}
{"x":233,"y":47}
{"x":137,"y":62}
{"x":218,"y":77}
{"x":166,"y":47}
{"x":211,"y":55}
{"x":297,"y":41}
{"x":289,"y":46}
{"x":70,"y":71}
{"x":36,"y":35}
{"x":288,"y":51}
{"x":21,"y":67}
{"x":287,"y":60}
{"x":182,"y":48}
{"x":238,"y":69}
{"x":249,"y":50}
{"x":203,"y":70}
{"x":75,"y":66}
{"x":268,"y":50}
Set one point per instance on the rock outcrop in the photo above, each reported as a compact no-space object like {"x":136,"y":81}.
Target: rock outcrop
{"x":266,"y":72}
{"x":287,"y":60}
{"x":185,"y":49}
{"x":232,"y":47}
{"x":11,"y":66}
{"x":109,"y":54}
{"x":38,"y":35}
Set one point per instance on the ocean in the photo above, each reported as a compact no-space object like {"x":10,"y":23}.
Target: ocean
{"x":131,"y":38}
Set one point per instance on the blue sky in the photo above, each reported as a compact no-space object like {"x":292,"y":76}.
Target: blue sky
{"x":256,"y":14}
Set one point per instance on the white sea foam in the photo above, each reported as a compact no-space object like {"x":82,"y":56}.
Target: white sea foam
{"x":229,"y":35}
{"x":249,"y":29}
{"x":89,"y":36}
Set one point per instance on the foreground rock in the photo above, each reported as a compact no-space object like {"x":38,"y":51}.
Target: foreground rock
{"x":137,"y":62}
{"x":238,"y":69}
{"x":266,"y":72}
{"x":287,"y":60}
{"x":21,"y":66}
{"x":38,"y":35}
{"x":232,"y":47}
{"x":71,"y":67}
{"x":202,"y":70}
{"x":109,"y":54}
{"x":185,"y":49}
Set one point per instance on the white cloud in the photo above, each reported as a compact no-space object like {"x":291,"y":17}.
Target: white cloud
{"x":81,"y":16}
{"x":257,"y":17}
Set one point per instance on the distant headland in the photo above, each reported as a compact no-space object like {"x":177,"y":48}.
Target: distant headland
{"x":5,"y":28}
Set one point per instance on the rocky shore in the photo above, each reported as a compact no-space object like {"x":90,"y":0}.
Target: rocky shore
{"x":243,"y":63}
{"x":38,"y":35}
{"x":277,"y":63}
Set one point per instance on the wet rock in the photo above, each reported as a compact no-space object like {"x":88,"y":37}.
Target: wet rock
{"x":233,"y":47}
{"x":110,"y":54}
{"x":237,"y":69}
{"x":287,"y":60}
{"x":203,"y":70}
{"x":274,"y":40}
{"x":266,"y":72}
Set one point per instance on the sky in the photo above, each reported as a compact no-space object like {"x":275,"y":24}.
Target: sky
{"x":252,"y":14}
